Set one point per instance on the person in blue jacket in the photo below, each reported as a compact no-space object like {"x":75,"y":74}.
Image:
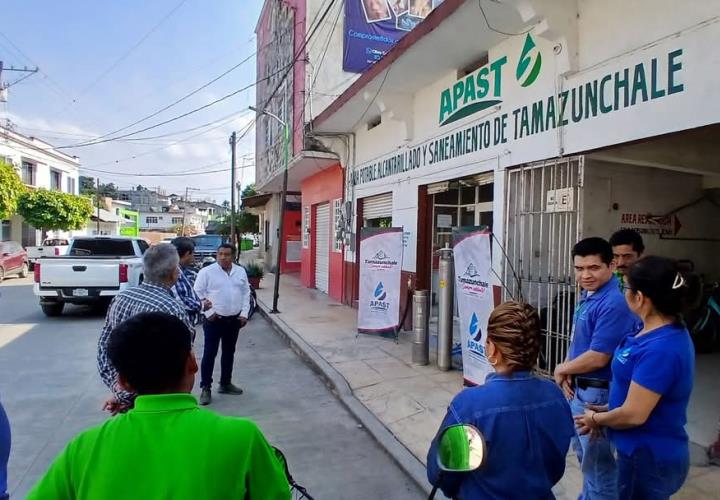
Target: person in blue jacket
{"x":526,"y":420}
{"x":4,"y":452}
{"x":652,"y":378}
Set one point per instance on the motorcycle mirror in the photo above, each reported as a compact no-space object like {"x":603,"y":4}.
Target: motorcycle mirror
{"x":461,"y":448}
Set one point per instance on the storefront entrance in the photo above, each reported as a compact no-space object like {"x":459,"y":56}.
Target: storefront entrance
{"x":666,"y":188}
{"x":451,"y":204}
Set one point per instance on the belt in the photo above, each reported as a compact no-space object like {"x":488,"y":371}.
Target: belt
{"x":226,"y":318}
{"x":596,"y":383}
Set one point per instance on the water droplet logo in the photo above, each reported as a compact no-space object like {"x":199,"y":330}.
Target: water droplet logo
{"x":526,"y":64}
{"x":474,"y":328}
{"x":380,"y":293}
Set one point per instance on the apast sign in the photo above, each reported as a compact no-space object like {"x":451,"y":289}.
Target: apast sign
{"x":636,"y":83}
{"x":484,"y":87}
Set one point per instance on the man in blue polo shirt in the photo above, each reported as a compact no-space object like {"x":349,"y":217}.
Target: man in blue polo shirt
{"x":602,"y":319}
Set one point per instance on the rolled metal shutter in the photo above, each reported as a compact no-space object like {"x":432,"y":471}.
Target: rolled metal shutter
{"x":322,"y":247}
{"x":375,"y":207}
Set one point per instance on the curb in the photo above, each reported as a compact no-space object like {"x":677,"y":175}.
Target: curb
{"x":341,"y":389}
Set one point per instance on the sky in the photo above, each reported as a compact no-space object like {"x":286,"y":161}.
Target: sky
{"x":105,"y":65}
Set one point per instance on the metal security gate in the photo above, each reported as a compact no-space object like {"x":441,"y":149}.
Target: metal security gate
{"x":376,"y":208}
{"x":322,"y":247}
{"x":543,"y":222}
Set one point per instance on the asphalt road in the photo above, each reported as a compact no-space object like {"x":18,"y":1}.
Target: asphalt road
{"x":51,"y":390}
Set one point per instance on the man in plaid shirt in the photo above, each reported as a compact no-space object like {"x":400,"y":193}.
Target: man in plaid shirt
{"x":161,"y":272}
{"x":183,"y":289}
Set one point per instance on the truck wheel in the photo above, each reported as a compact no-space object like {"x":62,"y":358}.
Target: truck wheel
{"x":24,"y":271}
{"x":54,"y":309}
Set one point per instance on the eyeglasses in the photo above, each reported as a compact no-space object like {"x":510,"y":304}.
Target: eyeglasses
{"x":626,"y":288}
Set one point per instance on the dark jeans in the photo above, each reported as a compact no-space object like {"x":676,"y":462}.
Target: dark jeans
{"x":641,"y":477}
{"x":225,"y":331}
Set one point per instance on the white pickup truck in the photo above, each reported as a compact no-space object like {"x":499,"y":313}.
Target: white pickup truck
{"x":94,"y":270}
{"x":50,"y":247}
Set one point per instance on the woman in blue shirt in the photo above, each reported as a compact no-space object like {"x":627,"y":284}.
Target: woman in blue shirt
{"x":526,"y":420}
{"x":652,"y":377}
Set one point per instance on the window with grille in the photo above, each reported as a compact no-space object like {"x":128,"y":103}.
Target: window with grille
{"x":177,"y":220}
{"x":337,"y":220}
{"x":71,"y":185}
{"x":151,"y":220}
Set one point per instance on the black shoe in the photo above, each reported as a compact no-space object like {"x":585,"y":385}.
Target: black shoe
{"x":205,"y":396}
{"x":229,"y":389}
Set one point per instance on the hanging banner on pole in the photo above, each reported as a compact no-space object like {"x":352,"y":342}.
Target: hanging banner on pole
{"x":381,"y":252}
{"x":474,"y":295}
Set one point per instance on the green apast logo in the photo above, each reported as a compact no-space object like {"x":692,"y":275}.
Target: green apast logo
{"x":526,"y":58}
{"x":482,"y":88}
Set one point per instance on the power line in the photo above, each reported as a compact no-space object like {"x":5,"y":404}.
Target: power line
{"x":221,"y":122}
{"x":130,"y":50}
{"x":178,"y":101}
{"x":194,"y":170}
{"x":205,"y":106}
{"x":298,"y":54}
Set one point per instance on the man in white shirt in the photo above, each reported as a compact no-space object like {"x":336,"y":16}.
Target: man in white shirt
{"x":226,"y":286}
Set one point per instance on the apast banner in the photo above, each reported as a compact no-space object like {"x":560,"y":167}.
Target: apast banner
{"x":474,"y":295}
{"x":381,"y":252}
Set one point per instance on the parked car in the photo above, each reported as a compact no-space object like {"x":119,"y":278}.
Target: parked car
{"x":94,"y":271}
{"x":206,"y":245}
{"x":50,"y":247}
{"x":13,"y":260}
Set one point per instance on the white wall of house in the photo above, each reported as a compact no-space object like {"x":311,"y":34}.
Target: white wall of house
{"x":46,"y":164}
{"x":675,"y":45}
{"x":167,"y":221}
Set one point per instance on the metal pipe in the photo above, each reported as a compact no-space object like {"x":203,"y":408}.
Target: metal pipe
{"x":421,"y":325}
{"x":445,"y":308}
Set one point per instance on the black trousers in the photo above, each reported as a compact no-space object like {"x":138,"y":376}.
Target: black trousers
{"x":223,"y":330}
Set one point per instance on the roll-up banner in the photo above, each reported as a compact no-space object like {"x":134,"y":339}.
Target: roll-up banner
{"x":474,"y":293}
{"x":381,"y":253}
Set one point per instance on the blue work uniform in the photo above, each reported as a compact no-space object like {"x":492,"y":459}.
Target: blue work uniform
{"x":527,"y":427}
{"x":653,"y":458}
{"x":602,"y":319}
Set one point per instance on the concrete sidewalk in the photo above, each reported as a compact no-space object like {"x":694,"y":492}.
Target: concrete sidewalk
{"x":401,"y":404}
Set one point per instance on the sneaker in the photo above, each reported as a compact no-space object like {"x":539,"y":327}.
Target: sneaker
{"x":205,"y":396}
{"x":229,"y":389}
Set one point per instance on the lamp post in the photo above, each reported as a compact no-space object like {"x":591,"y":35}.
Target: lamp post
{"x":283,"y":196}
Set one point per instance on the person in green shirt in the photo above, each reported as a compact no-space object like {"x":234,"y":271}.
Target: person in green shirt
{"x":166,"y":446}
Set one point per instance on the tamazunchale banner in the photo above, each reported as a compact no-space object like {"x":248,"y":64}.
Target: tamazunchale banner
{"x":474,"y":294}
{"x":381,"y":252}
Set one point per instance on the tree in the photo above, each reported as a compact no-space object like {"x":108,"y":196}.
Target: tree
{"x":47,"y":210}
{"x":249,"y":191}
{"x":89,"y":188}
{"x":245,"y":222}
{"x":11,"y":188}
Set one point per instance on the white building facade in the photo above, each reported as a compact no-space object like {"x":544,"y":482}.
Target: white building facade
{"x":557,"y":121}
{"x":39,"y":165}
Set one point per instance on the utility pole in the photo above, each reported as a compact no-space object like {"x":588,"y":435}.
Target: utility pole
{"x":97,"y":196}
{"x":233,"y":140}
{"x":283,"y":201}
{"x":182,"y":233}
{"x":185,"y":204}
